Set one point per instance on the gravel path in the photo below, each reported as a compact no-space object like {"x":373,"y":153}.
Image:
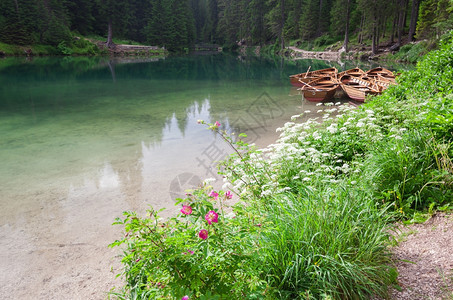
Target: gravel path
{"x":424,"y":258}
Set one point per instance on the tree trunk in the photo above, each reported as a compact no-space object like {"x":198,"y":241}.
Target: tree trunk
{"x":373,"y":44}
{"x":404,"y":8}
{"x":17,"y":6}
{"x":282,"y":24}
{"x":110,"y":43}
{"x":360,"y":37}
{"x":378,"y":32}
{"x":375,"y":25}
{"x":395,"y":22}
{"x":346,"y":32}
{"x":17,"y":9}
{"x":384,"y":26}
{"x":319,"y":30}
{"x":401,"y":21}
{"x":414,"y":17}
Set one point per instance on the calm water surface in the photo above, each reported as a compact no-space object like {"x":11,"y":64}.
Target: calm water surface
{"x":74,"y":124}
{"x":83,"y":139}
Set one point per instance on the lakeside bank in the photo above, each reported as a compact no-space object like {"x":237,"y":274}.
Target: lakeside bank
{"x":317,"y":205}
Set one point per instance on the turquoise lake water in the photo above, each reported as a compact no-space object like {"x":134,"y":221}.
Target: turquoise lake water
{"x":83,"y":139}
{"x":68,"y":121}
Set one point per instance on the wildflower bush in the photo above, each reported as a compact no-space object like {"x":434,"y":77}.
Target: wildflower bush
{"x":202,"y":253}
{"x":313,"y":217}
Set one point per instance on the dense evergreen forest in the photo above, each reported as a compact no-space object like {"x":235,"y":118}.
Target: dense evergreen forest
{"x":179,"y":24}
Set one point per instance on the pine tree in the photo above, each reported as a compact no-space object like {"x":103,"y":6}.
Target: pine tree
{"x":293,"y":20}
{"x":341,"y":19}
{"x":435,"y":16}
{"x":229,"y":26}
{"x":309,"y":19}
{"x":275,"y":19}
{"x":13,"y":28}
{"x":80,"y":14}
{"x":256,"y":12}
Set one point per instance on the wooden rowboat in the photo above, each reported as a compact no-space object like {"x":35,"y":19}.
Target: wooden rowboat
{"x":320,"y":89}
{"x":378,"y":82}
{"x":322,"y":84}
{"x":356,"y":72}
{"x":381,"y":72}
{"x":358,"y":88}
{"x":358,"y":93}
{"x":299,"y":79}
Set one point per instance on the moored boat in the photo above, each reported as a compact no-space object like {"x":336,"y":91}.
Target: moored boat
{"x":320,"y":89}
{"x":358,"y":88}
{"x":355,"y":72}
{"x":357,"y":84}
{"x":301,"y":78}
{"x":381,"y":72}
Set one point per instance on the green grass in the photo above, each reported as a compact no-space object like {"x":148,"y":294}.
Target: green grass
{"x":115,"y":40}
{"x":10,"y":49}
{"x":411,"y":52}
{"x":80,"y":46}
{"x":327,"y":243}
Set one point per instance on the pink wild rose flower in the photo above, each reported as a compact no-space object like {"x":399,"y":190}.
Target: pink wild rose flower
{"x":217,"y":124}
{"x":229,"y":195}
{"x":186,"y":209}
{"x":203,"y":234}
{"x":213,"y":194}
{"x":211,"y":217}
{"x":185,"y":297}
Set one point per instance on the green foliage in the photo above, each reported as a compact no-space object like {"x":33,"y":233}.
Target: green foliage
{"x":407,"y":172}
{"x":267,"y":248}
{"x":417,"y":113}
{"x":56,"y":34}
{"x":323,"y":41}
{"x":64,"y":49}
{"x":170,"y":25}
{"x":411,"y":52}
{"x":82,"y":46}
{"x":435,"y":18}
{"x":10,"y":49}
{"x":326,"y":242}
{"x":189,"y":255}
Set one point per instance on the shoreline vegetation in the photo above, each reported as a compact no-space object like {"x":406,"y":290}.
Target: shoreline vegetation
{"x":316,"y":211}
{"x":82,"y":46}
{"x":97,"y":46}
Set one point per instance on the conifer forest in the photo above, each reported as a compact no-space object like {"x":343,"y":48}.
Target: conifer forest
{"x":179,"y":24}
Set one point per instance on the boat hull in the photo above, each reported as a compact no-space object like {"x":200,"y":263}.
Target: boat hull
{"x":358,"y":93}
{"x":318,"y":96}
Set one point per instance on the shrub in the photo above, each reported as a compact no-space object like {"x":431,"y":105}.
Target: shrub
{"x":202,"y":253}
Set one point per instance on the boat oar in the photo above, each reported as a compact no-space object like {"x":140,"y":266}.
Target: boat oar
{"x":307,"y":72}
{"x":315,"y":87}
{"x":307,"y":84}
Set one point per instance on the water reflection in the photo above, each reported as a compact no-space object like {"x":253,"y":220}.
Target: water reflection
{"x":108,"y":178}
